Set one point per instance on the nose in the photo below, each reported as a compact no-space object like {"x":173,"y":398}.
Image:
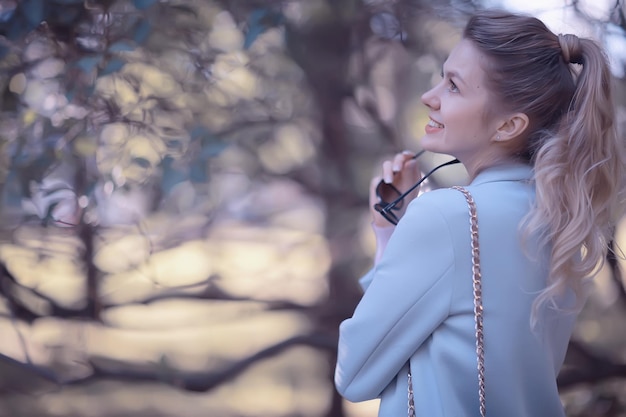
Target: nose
{"x":431,"y":99}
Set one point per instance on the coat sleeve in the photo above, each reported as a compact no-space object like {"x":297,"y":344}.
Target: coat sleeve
{"x":408,"y":296}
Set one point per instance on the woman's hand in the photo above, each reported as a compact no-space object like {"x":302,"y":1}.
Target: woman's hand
{"x":401,"y":172}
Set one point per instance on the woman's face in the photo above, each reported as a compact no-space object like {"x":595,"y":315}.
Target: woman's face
{"x":459,"y":124}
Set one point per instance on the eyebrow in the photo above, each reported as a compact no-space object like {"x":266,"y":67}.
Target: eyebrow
{"x":453,"y":74}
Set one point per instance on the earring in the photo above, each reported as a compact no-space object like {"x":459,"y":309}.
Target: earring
{"x":498,"y":138}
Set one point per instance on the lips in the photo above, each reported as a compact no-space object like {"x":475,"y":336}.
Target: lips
{"x":433,"y":127}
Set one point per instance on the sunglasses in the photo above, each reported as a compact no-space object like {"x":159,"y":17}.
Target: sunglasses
{"x":391,"y":199}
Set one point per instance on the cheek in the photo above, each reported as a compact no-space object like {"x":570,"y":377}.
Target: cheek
{"x":473,"y":121}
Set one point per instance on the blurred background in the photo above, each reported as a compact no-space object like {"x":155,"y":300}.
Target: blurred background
{"x":183,"y":191}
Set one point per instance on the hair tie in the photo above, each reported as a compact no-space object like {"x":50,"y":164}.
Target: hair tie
{"x":571,"y":48}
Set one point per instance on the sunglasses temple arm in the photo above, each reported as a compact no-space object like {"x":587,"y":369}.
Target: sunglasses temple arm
{"x":407,"y":192}
{"x":418,"y":154}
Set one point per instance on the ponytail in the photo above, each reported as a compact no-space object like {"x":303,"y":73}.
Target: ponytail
{"x":579,"y":173}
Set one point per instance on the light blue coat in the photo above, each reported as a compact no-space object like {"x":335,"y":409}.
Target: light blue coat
{"x":418,"y":306}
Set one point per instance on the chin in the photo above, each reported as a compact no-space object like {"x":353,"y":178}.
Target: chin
{"x":432,"y":145}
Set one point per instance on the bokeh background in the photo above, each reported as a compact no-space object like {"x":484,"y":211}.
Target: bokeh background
{"x":183,"y":191}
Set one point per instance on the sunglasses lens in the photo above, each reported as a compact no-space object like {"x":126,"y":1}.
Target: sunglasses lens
{"x":387,"y":193}
{"x":391,"y":218}
{"x":386,"y":213}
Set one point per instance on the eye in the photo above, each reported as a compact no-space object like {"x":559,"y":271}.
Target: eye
{"x":452,"y":87}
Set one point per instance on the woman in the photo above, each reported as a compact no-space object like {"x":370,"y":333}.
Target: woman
{"x":537,"y":136}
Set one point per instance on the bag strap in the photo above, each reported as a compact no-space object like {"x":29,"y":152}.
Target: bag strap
{"x":478,"y":296}
{"x":478,"y":308}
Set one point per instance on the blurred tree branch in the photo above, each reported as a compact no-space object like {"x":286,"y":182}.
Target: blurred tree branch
{"x":207,"y":380}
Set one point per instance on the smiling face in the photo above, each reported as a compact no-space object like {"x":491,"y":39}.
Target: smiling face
{"x":461,"y":123}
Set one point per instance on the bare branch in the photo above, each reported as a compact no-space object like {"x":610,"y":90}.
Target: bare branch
{"x":202,"y":381}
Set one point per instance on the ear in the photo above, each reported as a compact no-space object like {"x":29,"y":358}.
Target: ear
{"x":512,"y":127}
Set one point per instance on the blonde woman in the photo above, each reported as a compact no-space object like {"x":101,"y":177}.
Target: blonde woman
{"x":529,"y":113}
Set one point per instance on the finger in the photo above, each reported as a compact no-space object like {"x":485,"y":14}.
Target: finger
{"x":398,"y":161}
{"x":411,"y":155}
{"x":388,"y":171}
{"x":403,"y":158}
{"x":412,"y":167}
{"x":409,"y":175}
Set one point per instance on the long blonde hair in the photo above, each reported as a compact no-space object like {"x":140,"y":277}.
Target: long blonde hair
{"x":572,"y":142}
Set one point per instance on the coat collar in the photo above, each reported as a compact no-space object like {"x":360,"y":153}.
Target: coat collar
{"x":508,"y":172}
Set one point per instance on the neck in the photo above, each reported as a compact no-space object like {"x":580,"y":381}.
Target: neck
{"x":476,"y":167}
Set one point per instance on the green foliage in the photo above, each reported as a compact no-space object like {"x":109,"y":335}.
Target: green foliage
{"x":33,"y":11}
{"x":259,"y":20}
{"x":139,"y":94}
{"x":143,"y":4}
{"x":141,"y":31}
{"x":92,"y":81}
{"x":16,"y":23}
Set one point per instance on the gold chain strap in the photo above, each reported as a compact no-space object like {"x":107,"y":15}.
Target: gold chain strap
{"x":478,"y":308}
{"x":478,"y":297}
{"x":411,"y":403}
